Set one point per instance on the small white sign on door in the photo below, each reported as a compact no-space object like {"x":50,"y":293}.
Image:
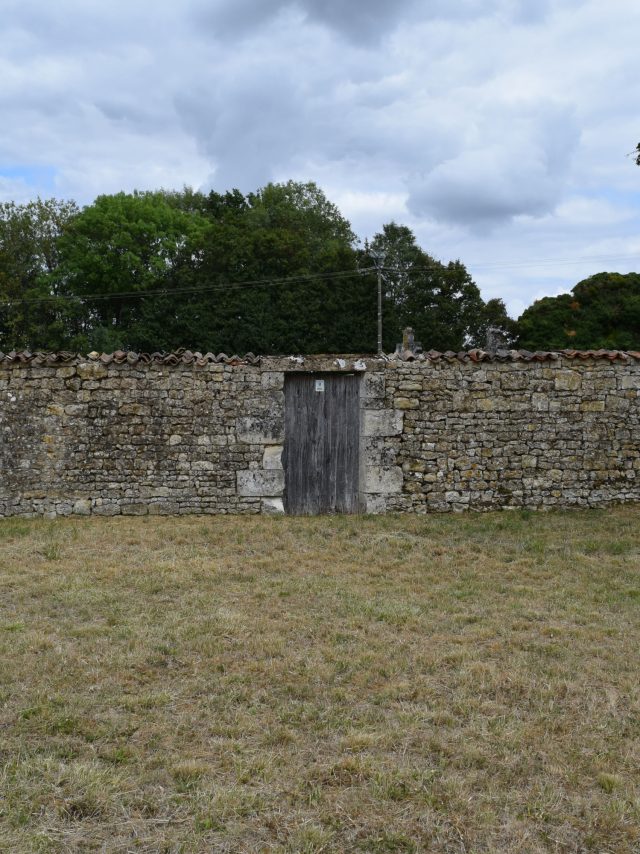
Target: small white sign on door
{"x":319,"y":385}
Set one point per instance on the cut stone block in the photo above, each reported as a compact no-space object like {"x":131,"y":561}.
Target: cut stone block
{"x":631,"y":381}
{"x":272,"y":506}
{"x":568,"y":381}
{"x":264,"y":429}
{"x":375,"y":504}
{"x":383,"y":479}
{"x":164,"y":508}
{"x":272,"y":379}
{"x":592,"y":406}
{"x":373,"y":385}
{"x":91,"y":370}
{"x":260,"y":482}
{"x":406,"y":402}
{"x":272,"y":457}
{"x":137,"y":508}
{"x":383,"y":422}
{"x":106,"y":509}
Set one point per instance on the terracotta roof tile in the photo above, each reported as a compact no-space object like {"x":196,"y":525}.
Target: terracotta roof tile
{"x":120,"y":357}
{"x":478,"y":355}
{"x":188,"y":357}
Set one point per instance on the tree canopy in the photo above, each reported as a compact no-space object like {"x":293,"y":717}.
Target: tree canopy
{"x":29,"y":255}
{"x":439,"y":301}
{"x":602,"y":311}
{"x":274,"y":271}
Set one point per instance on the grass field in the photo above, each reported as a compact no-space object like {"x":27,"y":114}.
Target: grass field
{"x":464,"y":683}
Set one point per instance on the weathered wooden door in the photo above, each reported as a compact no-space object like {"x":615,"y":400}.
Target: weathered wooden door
{"x":321,"y":441}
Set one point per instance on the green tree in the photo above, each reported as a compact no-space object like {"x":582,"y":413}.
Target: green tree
{"x":169,"y":269}
{"x":601,"y":312}
{"x":439,"y":301}
{"x":291,"y":233}
{"x":277,"y":270}
{"x":493,"y":324}
{"x":29,"y":254}
{"x":123,"y":257}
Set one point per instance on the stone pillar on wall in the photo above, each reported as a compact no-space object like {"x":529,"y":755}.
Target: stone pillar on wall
{"x":266,"y":429}
{"x":380,"y":477}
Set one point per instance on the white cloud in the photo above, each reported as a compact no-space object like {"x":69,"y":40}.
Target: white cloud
{"x":519,"y":168}
{"x":496,"y":129}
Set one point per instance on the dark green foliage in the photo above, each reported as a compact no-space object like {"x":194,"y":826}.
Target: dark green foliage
{"x":440,"y":301}
{"x":281,"y":232}
{"x":273,"y":271}
{"x":122,"y":247}
{"x":602,"y":311}
{"x":29,"y":255}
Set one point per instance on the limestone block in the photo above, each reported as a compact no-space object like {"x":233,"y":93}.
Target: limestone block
{"x":383,"y":479}
{"x":568,"y":381}
{"x":272,"y":457}
{"x":110,"y":508}
{"x":82,"y":507}
{"x":375,"y":504}
{"x":91,"y":370}
{"x":592,"y":406}
{"x":514,"y":380}
{"x":406,"y":403}
{"x":540,"y":402}
{"x":478,"y":376}
{"x":133,"y":409}
{"x":272,"y":506}
{"x":382,"y":422}
{"x":373,"y":385}
{"x":260,"y":482}
{"x":267,"y":429}
{"x":164,"y":508}
{"x":137,"y":508}
{"x":272,"y":379}
{"x":631,"y":380}
{"x":202,"y":465}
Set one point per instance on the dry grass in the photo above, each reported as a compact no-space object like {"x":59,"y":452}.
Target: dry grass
{"x":440,"y":684}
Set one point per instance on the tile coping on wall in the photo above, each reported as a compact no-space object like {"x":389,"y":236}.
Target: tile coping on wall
{"x":188,"y":357}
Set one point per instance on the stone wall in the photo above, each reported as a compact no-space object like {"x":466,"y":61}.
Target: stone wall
{"x":134,"y":437}
{"x":552,"y":433}
{"x":185,"y":433}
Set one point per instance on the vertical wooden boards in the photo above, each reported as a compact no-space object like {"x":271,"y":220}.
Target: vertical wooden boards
{"x":321,"y":445}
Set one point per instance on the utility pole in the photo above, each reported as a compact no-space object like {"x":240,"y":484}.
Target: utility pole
{"x":378,"y":259}
{"x":379,"y":312}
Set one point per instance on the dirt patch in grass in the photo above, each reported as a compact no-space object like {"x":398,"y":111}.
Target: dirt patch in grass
{"x":440,"y":684}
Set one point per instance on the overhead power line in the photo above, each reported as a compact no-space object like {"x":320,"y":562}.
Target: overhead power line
{"x":440,"y":267}
{"x":220,"y":286}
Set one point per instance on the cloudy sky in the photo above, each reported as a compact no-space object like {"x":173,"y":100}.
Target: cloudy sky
{"x":497,"y":129}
